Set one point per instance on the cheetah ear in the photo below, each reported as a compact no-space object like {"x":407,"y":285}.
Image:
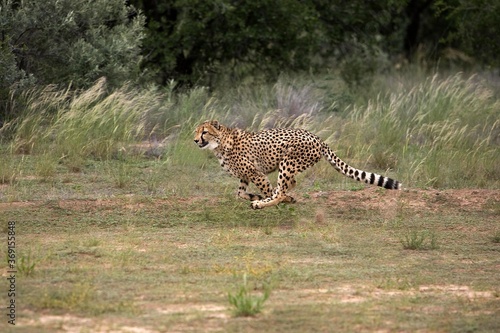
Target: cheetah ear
{"x":215,"y":124}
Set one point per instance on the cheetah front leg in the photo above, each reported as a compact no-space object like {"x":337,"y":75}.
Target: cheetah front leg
{"x":261,"y":181}
{"x":242,"y":192}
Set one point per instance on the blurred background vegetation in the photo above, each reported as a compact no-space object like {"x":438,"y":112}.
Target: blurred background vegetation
{"x":204,"y":42}
{"x":413,"y":84}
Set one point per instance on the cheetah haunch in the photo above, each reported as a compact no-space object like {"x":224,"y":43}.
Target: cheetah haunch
{"x":251,"y":156}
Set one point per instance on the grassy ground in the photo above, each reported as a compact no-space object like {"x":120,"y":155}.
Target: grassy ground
{"x":118,"y":234}
{"x":100,"y":255}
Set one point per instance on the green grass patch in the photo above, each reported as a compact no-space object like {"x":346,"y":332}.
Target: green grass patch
{"x":26,"y":264}
{"x":419,"y":240}
{"x":81,"y":297}
{"x":244,"y":302}
{"x":173,"y":260}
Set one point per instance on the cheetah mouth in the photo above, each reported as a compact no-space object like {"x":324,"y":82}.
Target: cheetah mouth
{"x":203,"y":144}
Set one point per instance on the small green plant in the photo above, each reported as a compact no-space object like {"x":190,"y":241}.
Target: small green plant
{"x":124,"y":258}
{"x":419,"y":240}
{"x":496,"y":237}
{"x":26,"y":265}
{"x":121,"y":175}
{"x":8,"y":170}
{"x":246,"y":304}
{"x":46,"y":167}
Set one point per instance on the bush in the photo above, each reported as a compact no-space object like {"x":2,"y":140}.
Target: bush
{"x":76,"y":41}
{"x":67,"y":42}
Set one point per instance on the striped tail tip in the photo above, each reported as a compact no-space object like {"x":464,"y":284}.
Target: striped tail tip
{"x":389,"y":183}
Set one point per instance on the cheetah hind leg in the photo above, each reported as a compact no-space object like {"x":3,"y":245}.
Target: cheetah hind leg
{"x":277,"y":197}
{"x":289,"y":198}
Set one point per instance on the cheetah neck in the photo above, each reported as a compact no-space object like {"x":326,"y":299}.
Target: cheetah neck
{"x":226,"y":141}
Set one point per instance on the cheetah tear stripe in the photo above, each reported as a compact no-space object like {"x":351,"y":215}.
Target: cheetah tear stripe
{"x":359,"y":175}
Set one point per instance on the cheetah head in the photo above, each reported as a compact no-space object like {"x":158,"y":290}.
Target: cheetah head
{"x":206,"y":135}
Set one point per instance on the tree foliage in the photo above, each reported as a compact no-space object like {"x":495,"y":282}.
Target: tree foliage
{"x":189,"y":39}
{"x":62,"y":41}
{"x":193,"y":39}
{"x":474,"y":28}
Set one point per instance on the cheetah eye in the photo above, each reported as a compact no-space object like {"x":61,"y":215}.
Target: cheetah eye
{"x":204,"y":132}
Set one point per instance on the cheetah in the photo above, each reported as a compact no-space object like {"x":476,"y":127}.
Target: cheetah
{"x":251,"y":156}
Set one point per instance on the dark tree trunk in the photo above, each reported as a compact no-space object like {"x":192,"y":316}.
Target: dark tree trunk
{"x":414,"y":10}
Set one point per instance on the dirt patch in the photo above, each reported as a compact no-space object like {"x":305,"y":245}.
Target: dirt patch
{"x":371,"y":198}
{"x":17,"y":204}
{"x":392,"y":202}
{"x":74,"y":324}
{"x":215,"y":310}
{"x":460,"y":291}
{"x":66,"y":322}
{"x":360,"y":294}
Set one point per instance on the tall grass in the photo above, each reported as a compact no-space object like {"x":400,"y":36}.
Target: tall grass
{"x":281,"y":104}
{"x":440,"y":133}
{"x":74,"y":126}
{"x":432,"y":132}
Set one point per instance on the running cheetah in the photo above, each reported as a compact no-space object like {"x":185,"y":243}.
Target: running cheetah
{"x":251,"y":156}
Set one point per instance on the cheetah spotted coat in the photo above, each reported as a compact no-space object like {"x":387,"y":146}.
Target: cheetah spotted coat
{"x":252,"y":156}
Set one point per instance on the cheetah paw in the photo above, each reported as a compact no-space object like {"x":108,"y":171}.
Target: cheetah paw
{"x":256,"y":204}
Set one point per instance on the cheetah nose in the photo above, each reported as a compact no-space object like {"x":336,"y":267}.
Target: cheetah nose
{"x":196,"y":141}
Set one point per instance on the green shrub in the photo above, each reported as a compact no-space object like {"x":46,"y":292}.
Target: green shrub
{"x":73,"y":42}
{"x":419,"y":240}
{"x":245,"y":303}
{"x":26,"y":265}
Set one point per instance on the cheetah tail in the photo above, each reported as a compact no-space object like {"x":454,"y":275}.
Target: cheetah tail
{"x":359,"y":175}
